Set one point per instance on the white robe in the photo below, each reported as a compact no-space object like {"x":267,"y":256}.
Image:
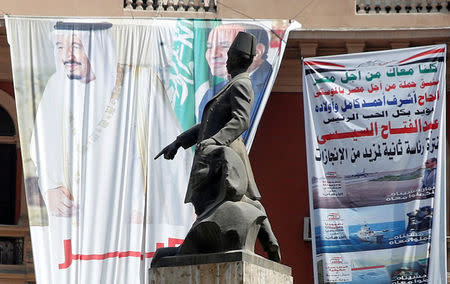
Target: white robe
{"x":109,"y":167}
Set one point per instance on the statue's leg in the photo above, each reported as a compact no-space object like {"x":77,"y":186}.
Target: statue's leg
{"x":269,"y":242}
{"x":265,"y":235}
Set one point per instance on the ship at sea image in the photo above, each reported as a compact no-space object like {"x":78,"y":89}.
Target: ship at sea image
{"x":363,"y":229}
{"x":407,"y":264}
{"x":366,"y":234}
{"x":362,"y":237}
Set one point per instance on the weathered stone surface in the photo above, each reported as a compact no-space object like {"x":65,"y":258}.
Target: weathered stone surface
{"x":227,"y":268}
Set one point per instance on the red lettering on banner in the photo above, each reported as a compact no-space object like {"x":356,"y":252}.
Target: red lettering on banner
{"x":175,"y":242}
{"x":69,"y":256}
{"x":151,"y":254}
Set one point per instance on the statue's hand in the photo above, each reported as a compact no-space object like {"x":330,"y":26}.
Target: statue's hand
{"x":206,"y":142}
{"x":169,"y":151}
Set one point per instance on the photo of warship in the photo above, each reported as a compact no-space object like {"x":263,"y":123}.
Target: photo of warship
{"x":366,"y":234}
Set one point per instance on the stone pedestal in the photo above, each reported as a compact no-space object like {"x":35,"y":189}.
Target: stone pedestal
{"x":227,"y":268}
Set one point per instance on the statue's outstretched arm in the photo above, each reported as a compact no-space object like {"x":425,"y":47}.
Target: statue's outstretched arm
{"x":185,"y":140}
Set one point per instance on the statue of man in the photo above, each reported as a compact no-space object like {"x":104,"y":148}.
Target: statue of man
{"x":225,"y":117}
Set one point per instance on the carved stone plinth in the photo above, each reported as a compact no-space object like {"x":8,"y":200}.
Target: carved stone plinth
{"x":227,"y":268}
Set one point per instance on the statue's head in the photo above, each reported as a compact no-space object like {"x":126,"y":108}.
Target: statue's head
{"x":241,"y":53}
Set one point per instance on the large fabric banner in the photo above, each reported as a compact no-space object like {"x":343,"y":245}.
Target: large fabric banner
{"x":375,"y":128}
{"x":96,"y":101}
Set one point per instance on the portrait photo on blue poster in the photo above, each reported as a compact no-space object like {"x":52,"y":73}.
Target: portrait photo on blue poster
{"x":400,"y":265}
{"x":375,"y":188}
{"x":373,"y":228}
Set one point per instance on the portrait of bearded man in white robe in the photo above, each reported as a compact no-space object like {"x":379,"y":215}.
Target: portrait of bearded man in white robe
{"x":96,"y":123}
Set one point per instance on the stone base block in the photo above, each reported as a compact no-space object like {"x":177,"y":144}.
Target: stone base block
{"x":225,"y":268}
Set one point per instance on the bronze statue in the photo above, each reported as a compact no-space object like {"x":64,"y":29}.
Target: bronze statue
{"x":221,"y":186}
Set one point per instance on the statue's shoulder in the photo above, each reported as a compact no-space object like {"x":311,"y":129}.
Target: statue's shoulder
{"x":242,"y":82}
{"x":241,"y":79}
{"x":244,"y":76}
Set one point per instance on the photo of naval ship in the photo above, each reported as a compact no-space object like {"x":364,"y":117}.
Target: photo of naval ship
{"x":365,"y":229}
{"x":366,"y":234}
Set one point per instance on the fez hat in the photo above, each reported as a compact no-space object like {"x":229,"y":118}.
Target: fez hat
{"x":244,"y":44}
